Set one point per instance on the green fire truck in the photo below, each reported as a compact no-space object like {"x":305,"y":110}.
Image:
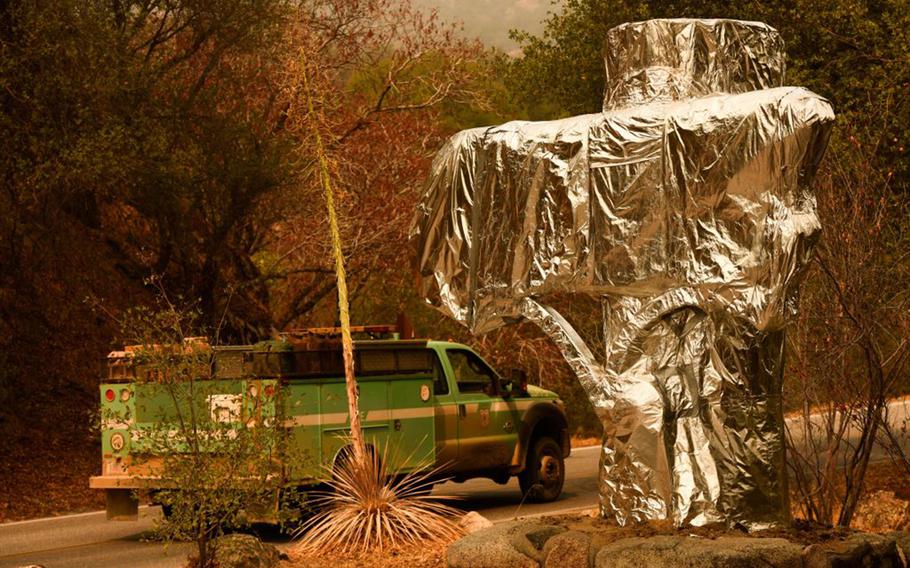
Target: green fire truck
{"x":420,"y":401}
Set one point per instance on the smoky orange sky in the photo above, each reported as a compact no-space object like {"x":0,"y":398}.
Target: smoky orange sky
{"x":491,"y":20}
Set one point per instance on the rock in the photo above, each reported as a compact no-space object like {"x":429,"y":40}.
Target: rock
{"x":244,"y":551}
{"x":882,"y":510}
{"x":516,"y":544}
{"x":902,"y":541}
{"x":472,"y":521}
{"x":884,"y":549}
{"x":571,"y":549}
{"x":535,"y":539}
{"x":860,"y":549}
{"x":685,"y":552}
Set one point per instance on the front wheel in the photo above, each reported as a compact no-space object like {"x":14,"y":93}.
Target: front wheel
{"x":544,"y":473}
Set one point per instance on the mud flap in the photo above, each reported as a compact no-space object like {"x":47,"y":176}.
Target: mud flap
{"x":122,"y":505}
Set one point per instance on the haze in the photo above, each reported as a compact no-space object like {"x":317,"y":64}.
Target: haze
{"x":491,"y":20}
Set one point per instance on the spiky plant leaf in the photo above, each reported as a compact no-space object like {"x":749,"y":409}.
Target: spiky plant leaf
{"x":368,"y":508}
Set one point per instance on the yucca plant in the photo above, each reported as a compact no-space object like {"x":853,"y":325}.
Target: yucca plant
{"x":368,"y":508}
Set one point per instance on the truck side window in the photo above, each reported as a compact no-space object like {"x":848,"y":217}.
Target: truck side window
{"x":471,"y":374}
{"x":440,"y":384}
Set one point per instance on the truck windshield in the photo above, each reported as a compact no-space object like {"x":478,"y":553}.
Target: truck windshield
{"x":471,"y":373}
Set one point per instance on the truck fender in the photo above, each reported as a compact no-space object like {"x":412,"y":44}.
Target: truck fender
{"x":541,"y":419}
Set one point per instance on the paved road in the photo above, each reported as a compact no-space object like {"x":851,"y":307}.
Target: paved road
{"x":89,"y":541}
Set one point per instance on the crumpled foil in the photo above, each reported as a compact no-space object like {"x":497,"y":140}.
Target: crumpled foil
{"x":683,"y":211}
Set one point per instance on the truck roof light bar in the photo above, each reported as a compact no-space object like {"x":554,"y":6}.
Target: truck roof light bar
{"x":331,"y":331}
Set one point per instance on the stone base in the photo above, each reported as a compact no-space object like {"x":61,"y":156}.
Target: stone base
{"x":538,"y":544}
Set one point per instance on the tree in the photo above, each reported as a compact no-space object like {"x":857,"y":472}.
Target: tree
{"x":379,"y":73}
{"x":213,"y":443}
{"x":152,"y":138}
{"x":851,"y":345}
{"x":125,"y":155}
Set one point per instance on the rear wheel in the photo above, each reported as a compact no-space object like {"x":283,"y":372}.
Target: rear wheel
{"x":544,"y":473}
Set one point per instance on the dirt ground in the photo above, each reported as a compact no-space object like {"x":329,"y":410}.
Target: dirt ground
{"x":45,"y":467}
{"x":888,"y":477}
{"x":45,"y":486}
{"x":433,"y":556}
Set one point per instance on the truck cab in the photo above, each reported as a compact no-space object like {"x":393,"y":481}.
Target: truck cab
{"x":487,"y":425}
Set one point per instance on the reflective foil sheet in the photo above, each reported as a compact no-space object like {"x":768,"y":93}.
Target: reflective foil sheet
{"x":660,"y":245}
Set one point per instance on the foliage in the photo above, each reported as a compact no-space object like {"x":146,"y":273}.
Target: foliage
{"x":851,"y":346}
{"x":377,"y":88}
{"x":369,"y":508}
{"x":153,"y":138}
{"x":215,"y":448}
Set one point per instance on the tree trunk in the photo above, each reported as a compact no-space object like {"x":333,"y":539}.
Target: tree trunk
{"x":202,"y":549}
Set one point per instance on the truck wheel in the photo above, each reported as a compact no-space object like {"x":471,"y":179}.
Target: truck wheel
{"x":544,"y":473}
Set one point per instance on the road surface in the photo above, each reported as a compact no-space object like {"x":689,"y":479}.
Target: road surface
{"x":90,"y":541}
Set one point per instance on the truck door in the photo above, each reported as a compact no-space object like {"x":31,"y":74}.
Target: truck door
{"x":484,"y":436}
{"x":446,"y":411}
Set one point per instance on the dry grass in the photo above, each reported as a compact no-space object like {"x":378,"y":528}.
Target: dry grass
{"x":423,"y":556}
{"x":367,"y":510}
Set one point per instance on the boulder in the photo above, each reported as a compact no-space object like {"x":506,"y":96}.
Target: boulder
{"x":244,"y":551}
{"x":689,"y":552}
{"x":516,"y":544}
{"x":535,"y":544}
{"x":860,"y":549}
{"x":902,"y":541}
{"x":571,"y":549}
{"x":472,"y":521}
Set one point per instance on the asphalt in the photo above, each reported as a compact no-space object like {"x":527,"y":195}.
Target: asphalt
{"x":88,"y":540}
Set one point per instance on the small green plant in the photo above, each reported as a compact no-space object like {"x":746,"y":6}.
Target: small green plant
{"x":210,"y":440}
{"x":368,"y":508}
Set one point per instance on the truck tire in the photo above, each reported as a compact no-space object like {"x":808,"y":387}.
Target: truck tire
{"x":544,"y":472}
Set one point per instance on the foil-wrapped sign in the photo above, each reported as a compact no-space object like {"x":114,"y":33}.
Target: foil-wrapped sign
{"x":683,"y":214}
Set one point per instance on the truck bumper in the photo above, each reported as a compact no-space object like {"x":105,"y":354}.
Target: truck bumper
{"x":122,"y":482}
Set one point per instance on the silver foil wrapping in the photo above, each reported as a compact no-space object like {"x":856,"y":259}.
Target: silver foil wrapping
{"x":683,"y":211}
